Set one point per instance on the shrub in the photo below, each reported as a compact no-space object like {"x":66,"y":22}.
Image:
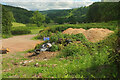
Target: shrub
{"x":6,"y":35}
{"x":54,"y":48}
{"x":44,"y":34}
{"x":54,"y":38}
{"x":21,"y":30}
{"x":74,"y":49}
{"x":77,"y":37}
{"x":80,"y":37}
{"x":60,"y":46}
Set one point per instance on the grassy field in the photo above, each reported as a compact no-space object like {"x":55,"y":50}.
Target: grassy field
{"x":15,"y":24}
{"x":32,"y":27}
{"x":76,"y":60}
{"x":22,"y":29}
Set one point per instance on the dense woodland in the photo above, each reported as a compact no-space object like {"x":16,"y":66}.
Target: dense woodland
{"x":21,"y":15}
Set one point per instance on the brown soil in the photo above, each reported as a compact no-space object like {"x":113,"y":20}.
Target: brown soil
{"x":73,"y":31}
{"x":42,"y":56}
{"x":93,"y":34}
{"x":20,"y":43}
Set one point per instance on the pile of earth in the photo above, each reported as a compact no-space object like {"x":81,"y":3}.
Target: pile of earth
{"x":93,"y":34}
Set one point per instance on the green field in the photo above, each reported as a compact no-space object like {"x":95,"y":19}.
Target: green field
{"x":32,"y":27}
{"x":15,"y":24}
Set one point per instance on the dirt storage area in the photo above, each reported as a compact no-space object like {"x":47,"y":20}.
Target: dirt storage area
{"x":93,"y":34}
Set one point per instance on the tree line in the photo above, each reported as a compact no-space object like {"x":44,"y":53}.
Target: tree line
{"x":103,"y":11}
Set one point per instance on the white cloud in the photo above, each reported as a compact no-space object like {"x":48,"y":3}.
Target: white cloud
{"x":47,"y":0}
{"x":47,"y":4}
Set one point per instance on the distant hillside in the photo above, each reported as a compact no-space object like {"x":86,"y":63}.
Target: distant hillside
{"x":52,"y":11}
{"x":67,"y":16}
{"x":21,"y":15}
{"x":96,"y":12}
{"x":58,"y":16}
{"x":103,"y":11}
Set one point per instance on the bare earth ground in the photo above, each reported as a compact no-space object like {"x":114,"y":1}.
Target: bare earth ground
{"x":20,"y":43}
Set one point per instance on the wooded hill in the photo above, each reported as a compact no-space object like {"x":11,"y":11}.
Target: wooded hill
{"x":21,"y":15}
{"x":97,"y":12}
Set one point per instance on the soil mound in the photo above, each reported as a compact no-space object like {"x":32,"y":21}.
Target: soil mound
{"x":73,"y":31}
{"x":93,"y":34}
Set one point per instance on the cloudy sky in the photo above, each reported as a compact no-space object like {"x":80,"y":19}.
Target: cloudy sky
{"x":48,"y":4}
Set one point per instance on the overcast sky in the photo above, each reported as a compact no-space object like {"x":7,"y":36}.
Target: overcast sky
{"x":48,"y":4}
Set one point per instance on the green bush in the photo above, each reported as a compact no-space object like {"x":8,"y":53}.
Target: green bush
{"x":74,"y":49}
{"x":6,"y":35}
{"x":54,"y":48}
{"x":77,"y":37}
{"x":55,"y":37}
{"x":43,"y":34}
{"x":20,"y":30}
{"x":60,"y":47}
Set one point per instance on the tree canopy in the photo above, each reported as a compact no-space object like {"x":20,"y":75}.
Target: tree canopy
{"x":7,"y":18}
{"x":103,"y":11}
{"x":37,"y":18}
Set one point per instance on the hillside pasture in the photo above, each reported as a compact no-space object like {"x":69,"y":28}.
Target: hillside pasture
{"x":26,"y":28}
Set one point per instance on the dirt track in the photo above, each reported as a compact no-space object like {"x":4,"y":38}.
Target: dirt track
{"x":20,"y":43}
